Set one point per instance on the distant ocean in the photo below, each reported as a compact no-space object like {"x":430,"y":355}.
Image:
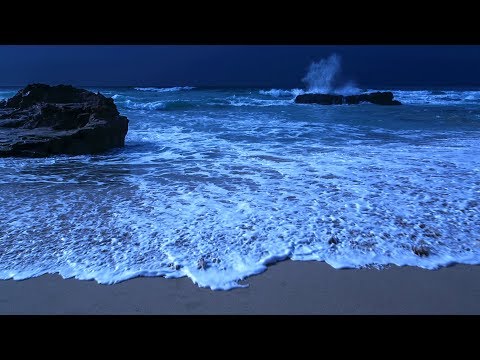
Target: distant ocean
{"x":242,"y":178}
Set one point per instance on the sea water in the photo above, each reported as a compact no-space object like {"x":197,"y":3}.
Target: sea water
{"x":237,"y":179}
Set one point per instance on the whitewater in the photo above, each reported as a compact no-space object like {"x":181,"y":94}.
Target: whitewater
{"x":237,"y":179}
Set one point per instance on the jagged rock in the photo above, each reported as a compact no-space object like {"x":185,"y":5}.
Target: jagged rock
{"x":379,"y":98}
{"x":42,"y":120}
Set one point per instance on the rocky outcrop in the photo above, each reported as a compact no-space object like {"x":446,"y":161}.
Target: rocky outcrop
{"x":42,"y":120}
{"x":379,"y":98}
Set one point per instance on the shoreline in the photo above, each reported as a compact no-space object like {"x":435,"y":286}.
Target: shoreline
{"x":287,"y":287}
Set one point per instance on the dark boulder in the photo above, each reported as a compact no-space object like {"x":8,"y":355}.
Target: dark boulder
{"x":42,"y":120}
{"x":333,"y":241}
{"x":379,"y":98}
{"x":421,"y":251}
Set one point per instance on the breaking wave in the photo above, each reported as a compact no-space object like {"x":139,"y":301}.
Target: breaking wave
{"x":167,"y":89}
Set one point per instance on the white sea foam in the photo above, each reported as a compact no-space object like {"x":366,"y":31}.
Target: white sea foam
{"x":271,"y":207}
{"x":167,"y":89}
{"x":157,"y":105}
{"x":138,"y":105}
{"x":281,"y":92}
{"x":253,"y":101}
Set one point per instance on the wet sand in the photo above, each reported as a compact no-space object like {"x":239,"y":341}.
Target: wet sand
{"x":289,"y":287}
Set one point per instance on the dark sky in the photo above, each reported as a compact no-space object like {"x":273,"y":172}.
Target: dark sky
{"x":220,"y":65}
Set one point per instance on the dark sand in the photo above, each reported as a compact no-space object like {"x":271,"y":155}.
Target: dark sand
{"x":285,"y":288}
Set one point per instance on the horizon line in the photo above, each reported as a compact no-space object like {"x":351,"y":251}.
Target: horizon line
{"x":251,"y":86}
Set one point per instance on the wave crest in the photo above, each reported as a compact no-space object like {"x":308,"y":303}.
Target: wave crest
{"x":158,"y":105}
{"x":281,"y":92}
{"x":167,"y":89}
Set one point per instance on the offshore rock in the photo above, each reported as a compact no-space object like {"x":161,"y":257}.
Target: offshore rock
{"x":379,"y":98}
{"x":42,"y":120}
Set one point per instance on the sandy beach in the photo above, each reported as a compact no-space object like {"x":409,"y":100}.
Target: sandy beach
{"x":288,"y":287}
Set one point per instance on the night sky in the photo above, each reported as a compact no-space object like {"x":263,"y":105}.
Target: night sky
{"x":265,"y":66}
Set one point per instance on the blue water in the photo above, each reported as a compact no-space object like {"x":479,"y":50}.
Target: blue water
{"x":244,"y":177}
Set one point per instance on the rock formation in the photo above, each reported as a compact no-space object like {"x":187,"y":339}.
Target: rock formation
{"x":42,"y":120}
{"x":379,"y":98}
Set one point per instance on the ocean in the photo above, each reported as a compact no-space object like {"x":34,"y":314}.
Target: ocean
{"x":237,"y":179}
